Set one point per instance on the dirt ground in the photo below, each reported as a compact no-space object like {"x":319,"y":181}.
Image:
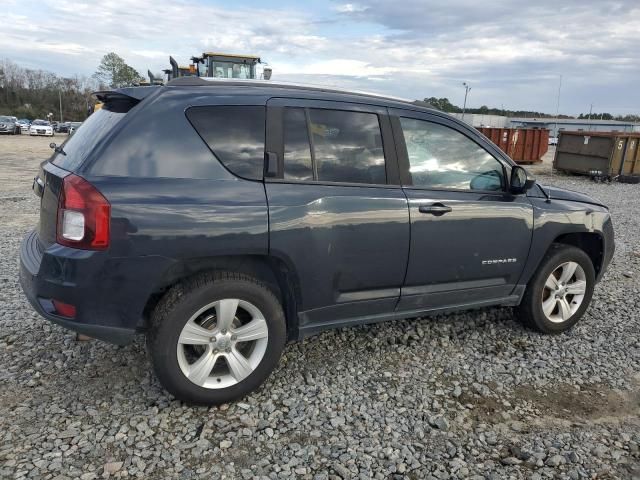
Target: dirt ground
{"x":21,"y":155}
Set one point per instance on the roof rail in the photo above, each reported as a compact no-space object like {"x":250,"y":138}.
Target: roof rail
{"x":213,"y":81}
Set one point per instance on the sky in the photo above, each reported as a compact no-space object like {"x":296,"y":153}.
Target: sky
{"x":511,"y":53}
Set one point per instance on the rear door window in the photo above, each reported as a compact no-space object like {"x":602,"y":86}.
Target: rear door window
{"x":333,"y":146}
{"x":235,"y":134}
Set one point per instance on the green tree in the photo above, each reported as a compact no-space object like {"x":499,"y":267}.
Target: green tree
{"x":32,"y":94}
{"x":114,"y":72}
{"x":442,"y":104}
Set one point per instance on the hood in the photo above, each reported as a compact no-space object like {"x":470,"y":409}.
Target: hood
{"x":564,"y":194}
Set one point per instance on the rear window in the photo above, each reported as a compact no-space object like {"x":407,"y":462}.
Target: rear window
{"x":235,"y":134}
{"x":92,"y":131}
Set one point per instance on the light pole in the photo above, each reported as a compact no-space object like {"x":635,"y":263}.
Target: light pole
{"x":466,"y":92}
{"x":60,"y":98}
{"x":558,"y":105}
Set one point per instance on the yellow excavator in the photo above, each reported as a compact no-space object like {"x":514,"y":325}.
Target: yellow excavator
{"x":231,"y":65}
{"x":221,"y":65}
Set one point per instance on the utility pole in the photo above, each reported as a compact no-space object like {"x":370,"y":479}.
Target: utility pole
{"x":558,"y":106}
{"x":60,"y":98}
{"x":590,"y":112}
{"x":467,"y":88}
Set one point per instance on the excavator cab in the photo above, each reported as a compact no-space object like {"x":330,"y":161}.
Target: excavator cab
{"x":219,"y":65}
{"x":228,"y":65}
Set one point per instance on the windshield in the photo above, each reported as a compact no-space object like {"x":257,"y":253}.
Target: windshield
{"x":86,"y":137}
{"x":40,"y":122}
{"x":5,"y":119}
{"x":231,"y":70}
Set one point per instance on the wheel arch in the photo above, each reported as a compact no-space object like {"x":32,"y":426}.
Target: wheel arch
{"x":591,"y":243}
{"x":275,"y":273}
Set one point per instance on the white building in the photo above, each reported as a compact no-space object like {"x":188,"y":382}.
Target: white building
{"x":556,"y":125}
{"x":479,"y":120}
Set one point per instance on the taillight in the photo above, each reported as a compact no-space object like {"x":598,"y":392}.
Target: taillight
{"x":84,"y":215}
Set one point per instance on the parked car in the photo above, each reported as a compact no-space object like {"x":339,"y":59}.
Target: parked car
{"x":73,"y":126}
{"x":553,"y":140}
{"x":24,"y":124}
{"x":41,"y":127}
{"x":9,"y":125}
{"x":255,"y":213}
{"x":62,"y":127}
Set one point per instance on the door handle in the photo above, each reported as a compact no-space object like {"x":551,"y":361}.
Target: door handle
{"x":271,"y":169}
{"x":437,"y":209}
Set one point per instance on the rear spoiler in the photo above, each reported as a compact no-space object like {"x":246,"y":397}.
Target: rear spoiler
{"x":127,"y":93}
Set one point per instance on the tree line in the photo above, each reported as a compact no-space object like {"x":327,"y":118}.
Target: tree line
{"x":445,"y":105}
{"x":29,"y":93}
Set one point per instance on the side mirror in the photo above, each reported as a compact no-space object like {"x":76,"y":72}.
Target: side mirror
{"x":520,"y":180}
{"x":52,"y":145}
{"x":266,"y":72}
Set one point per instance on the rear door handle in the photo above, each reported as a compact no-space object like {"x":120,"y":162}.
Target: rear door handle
{"x":437,"y":209}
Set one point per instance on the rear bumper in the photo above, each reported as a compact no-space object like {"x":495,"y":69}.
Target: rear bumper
{"x":115,"y":335}
{"x":109,"y":293}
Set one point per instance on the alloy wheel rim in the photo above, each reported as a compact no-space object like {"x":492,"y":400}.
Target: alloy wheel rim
{"x":222,"y":343}
{"x":564,"y":292}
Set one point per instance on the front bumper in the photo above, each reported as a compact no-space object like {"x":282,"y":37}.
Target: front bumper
{"x":608,"y":241}
{"x":109,"y":293}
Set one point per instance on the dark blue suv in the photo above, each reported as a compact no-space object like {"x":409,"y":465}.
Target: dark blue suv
{"x":224,"y":218}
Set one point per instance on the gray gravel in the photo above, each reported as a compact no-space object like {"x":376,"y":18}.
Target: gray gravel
{"x":470,"y":395}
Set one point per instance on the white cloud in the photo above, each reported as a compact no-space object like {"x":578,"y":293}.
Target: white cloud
{"x":349,"y":8}
{"x":335,"y":67}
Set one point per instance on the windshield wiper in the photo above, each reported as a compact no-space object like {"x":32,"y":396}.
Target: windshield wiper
{"x":57,"y":148}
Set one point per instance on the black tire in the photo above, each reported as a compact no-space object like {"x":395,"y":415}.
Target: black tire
{"x":635,"y":179}
{"x":181,"y":303}
{"x":530,"y":310}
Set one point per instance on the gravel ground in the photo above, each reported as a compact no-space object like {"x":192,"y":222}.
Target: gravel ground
{"x":470,"y":395}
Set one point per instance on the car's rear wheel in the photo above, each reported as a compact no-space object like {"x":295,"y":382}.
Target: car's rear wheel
{"x":559,"y":292}
{"x":216,"y":338}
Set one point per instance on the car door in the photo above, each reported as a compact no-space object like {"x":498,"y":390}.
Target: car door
{"x":337,"y":214}
{"x":469,"y":237}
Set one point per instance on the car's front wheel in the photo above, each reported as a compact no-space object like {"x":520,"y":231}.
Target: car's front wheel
{"x":216,"y":338}
{"x":559,"y":292}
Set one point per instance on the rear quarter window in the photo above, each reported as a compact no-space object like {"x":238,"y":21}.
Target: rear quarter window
{"x":235,"y":134}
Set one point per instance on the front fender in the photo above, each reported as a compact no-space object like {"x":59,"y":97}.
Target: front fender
{"x":554,"y":219}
